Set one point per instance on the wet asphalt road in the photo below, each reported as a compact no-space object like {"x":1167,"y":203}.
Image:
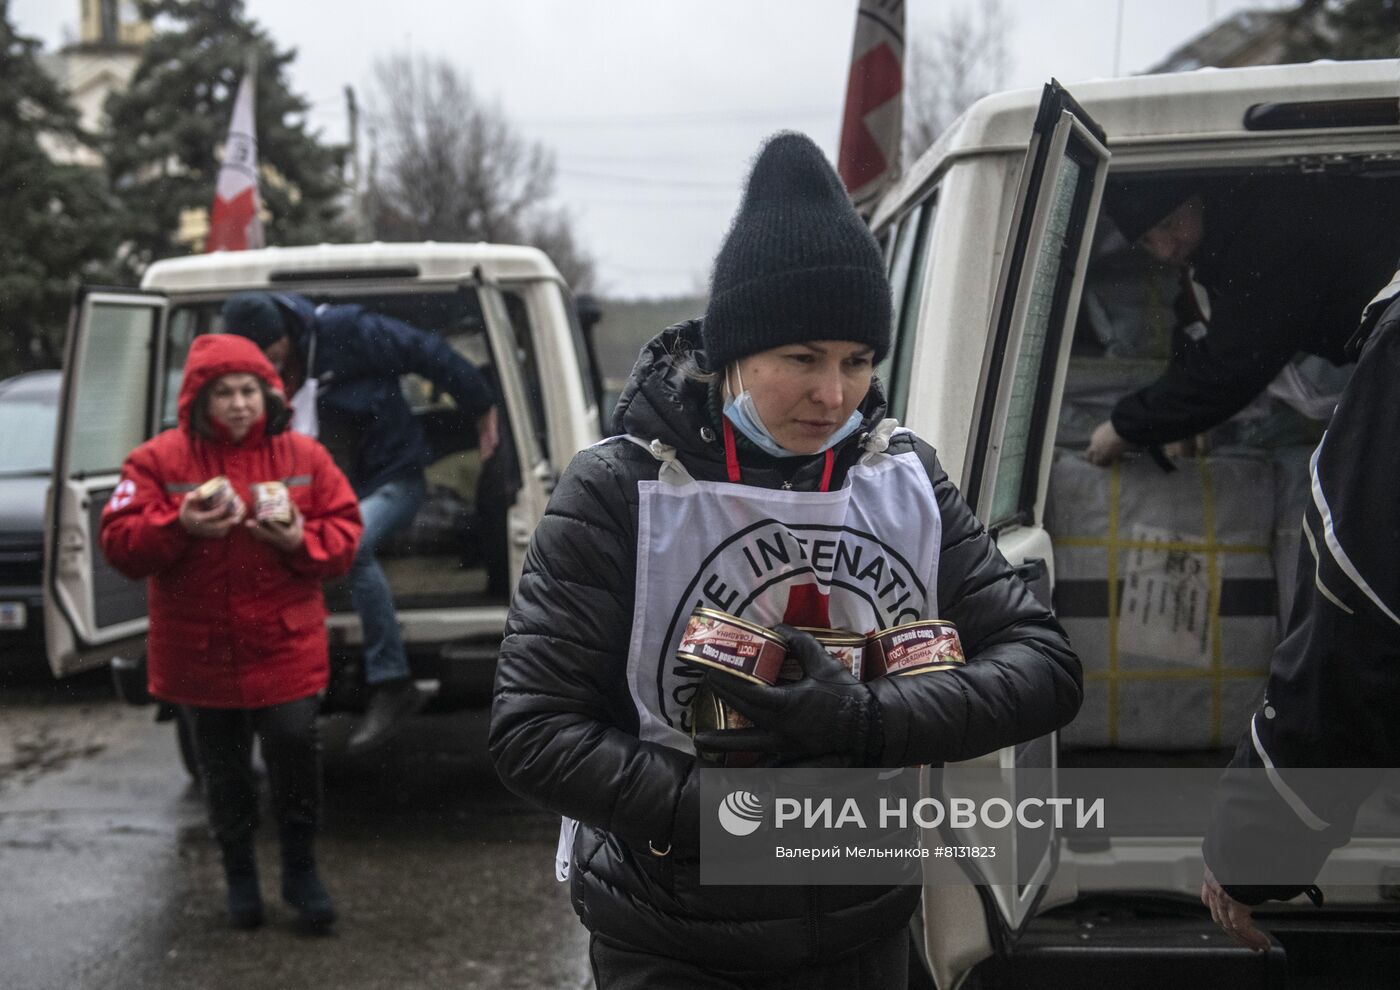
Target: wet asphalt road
{"x":108,"y":878}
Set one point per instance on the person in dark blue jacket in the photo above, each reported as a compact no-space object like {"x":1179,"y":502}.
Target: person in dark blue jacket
{"x":341,"y":365}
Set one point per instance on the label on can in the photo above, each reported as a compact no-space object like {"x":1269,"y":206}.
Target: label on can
{"x":217,"y":493}
{"x":726,"y":642}
{"x":271,"y":502}
{"x":847,"y":647}
{"x":931,"y":644}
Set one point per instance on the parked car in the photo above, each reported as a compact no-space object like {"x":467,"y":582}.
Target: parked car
{"x":1017,"y":327}
{"x":28,"y":414}
{"x":505,"y":308}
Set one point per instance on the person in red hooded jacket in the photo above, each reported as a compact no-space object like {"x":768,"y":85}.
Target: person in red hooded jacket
{"x":237,"y":619}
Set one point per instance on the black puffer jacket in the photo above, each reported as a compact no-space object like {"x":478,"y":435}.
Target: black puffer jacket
{"x":564,"y":729}
{"x":1334,"y":678}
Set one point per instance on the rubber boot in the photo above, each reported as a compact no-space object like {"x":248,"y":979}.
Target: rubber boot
{"x":245,"y":906}
{"x":391,"y":704}
{"x":301,"y":886}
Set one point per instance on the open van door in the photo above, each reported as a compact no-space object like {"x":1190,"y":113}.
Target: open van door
{"x":1008,"y":470}
{"x":91,"y":612}
{"x":537,"y":477}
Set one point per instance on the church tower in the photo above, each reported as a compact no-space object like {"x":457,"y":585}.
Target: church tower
{"x":112,"y":24}
{"x":112,"y":34}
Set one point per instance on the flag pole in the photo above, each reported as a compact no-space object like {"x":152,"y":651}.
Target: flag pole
{"x":872,"y":126}
{"x":235,"y":222}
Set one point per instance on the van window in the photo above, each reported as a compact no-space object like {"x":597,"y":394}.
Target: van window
{"x":1034,"y":371}
{"x":907,"y":276}
{"x":116,"y":362}
{"x":454,"y":553}
{"x":185,"y":324}
{"x":588,"y":374}
{"x":29,"y":410}
{"x":526,"y":361}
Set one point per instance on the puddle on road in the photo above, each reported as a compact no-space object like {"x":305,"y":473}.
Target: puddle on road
{"x":47,"y":724}
{"x":41,"y":752}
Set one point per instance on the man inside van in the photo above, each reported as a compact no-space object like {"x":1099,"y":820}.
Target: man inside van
{"x":341,"y":367}
{"x":1269,"y":266}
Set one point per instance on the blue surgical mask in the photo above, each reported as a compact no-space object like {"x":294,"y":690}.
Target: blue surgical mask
{"x":741,"y":411}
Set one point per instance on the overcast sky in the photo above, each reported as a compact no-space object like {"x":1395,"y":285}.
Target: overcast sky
{"x":654,"y":107}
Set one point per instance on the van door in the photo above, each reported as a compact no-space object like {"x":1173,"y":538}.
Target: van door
{"x":514,"y":361}
{"x":91,"y":612}
{"x":1011,"y":445}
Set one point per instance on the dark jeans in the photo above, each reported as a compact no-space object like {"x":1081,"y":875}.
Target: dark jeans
{"x":223,"y":739}
{"x":882,"y":966}
{"x":385,"y":511}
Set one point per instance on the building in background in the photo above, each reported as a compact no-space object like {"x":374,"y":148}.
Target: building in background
{"x":1249,"y":37}
{"x":101,"y":62}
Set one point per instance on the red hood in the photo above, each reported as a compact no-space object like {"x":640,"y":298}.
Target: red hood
{"x":213,"y":355}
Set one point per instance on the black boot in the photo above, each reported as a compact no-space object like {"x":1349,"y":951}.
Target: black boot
{"x":245,"y":906}
{"x":301,"y":886}
{"x":390,"y":706}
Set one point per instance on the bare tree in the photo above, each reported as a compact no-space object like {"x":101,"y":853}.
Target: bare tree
{"x":951,"y":67}
{"x":445,"y":166}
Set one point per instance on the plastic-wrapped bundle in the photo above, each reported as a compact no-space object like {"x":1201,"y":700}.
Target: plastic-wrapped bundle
{"x":1166,"y":585}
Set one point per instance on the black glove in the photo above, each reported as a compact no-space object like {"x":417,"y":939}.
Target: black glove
{"x":827,"y":712}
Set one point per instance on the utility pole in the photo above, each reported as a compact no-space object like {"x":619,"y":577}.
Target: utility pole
{"x":1118,"y":41}
{"x":354,"y":177}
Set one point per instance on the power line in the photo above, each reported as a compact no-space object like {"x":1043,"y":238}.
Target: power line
{"x":674,"y":158}
{"x":653,"y":203}
{"x":688,"y":118}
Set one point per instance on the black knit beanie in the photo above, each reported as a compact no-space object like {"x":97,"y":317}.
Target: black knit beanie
{"x":1136,"y":206}
{"x":798,"y":263}
{"x":256,"y":316}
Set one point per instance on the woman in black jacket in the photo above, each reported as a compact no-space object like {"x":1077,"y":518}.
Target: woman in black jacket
{"x":757,"y":475}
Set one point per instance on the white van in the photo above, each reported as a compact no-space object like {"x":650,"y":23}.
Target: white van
{"x":505,"y":308}
{"x":1017,"y":326}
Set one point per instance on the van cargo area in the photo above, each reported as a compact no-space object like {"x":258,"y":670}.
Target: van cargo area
{"x":453,"y":553}
{"x":1176,"y":586}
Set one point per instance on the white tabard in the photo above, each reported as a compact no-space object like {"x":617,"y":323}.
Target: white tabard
{"x":861,"y":558}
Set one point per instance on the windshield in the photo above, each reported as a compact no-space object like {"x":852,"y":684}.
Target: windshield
{"x":29,"y":426}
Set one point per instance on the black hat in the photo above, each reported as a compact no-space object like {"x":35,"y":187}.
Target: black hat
{"x":1136,"y":205}
{"x":798,"y":263}
{"x":255,"y":315}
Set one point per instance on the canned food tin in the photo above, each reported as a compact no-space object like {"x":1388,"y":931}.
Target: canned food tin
{"x":708,"y":712}
{"x":217,"y":493}
{"x":931,"y":644}
{"x":847,"y":647}
{"x":726,"y":642}
{"x":271,"y":502}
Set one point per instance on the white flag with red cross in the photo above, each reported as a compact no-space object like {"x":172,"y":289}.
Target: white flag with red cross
{"x":872,"y":127}
{"x":234,"y":224}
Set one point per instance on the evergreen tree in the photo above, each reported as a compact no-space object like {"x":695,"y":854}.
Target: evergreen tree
{"x":167,"y":125}
{"x":59,"y":223}
{"x":1344,"y":29}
